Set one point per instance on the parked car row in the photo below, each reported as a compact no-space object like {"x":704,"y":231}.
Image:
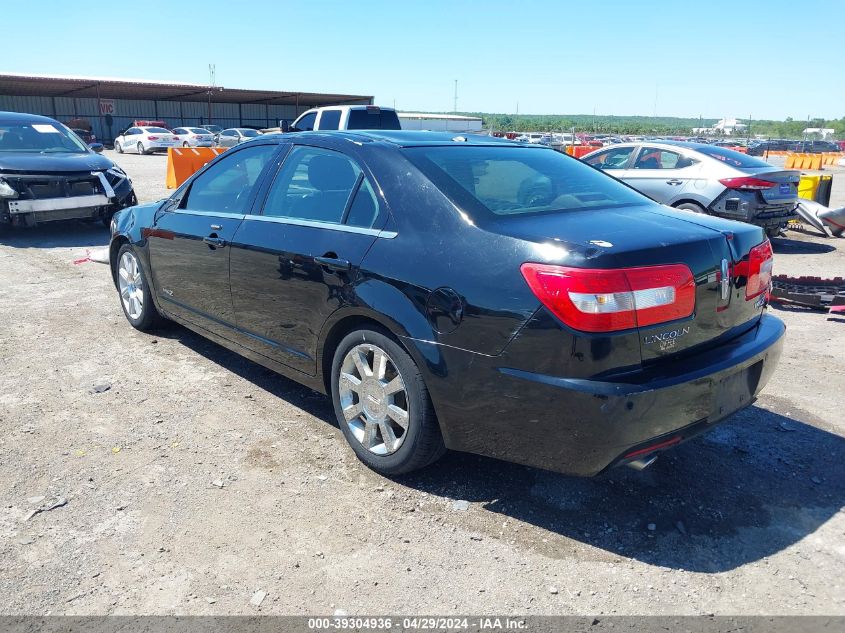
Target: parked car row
{"x":759,"y":148}
{"x":755,"y":147}
{"x":150,"y":139}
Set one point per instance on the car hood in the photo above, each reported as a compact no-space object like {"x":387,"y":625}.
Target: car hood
{"x":28,"y":162}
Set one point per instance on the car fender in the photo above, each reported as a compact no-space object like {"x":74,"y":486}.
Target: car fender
{"x":379,"y":301}
{"x":130,"y":225}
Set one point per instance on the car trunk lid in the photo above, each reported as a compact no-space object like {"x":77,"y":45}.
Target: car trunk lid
{"x":786,"y":184}
{"x":653,"y":236}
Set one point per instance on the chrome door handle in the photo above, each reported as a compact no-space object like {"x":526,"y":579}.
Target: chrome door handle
{"x":215,"y":242}
{"x":332,"y":263}
{"x":216,"y":227}
{"x":674,"y":181}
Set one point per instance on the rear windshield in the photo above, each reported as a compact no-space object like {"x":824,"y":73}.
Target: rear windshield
{"x":198,"y":130}
{"x":250,"y":133}
{"x":158,"y":130}
{"x":732,"y":158}
{"x":43,"y":138}
{"x":508,"y":181}
{"x":373,"y":120}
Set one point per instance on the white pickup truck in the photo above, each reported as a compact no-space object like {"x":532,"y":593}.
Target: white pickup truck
{"x":347,"y":117}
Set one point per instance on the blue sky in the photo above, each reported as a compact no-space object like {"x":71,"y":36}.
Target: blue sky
{"x":764,"y":58}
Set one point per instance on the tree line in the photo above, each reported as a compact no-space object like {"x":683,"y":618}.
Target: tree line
{"x":606,"y":124}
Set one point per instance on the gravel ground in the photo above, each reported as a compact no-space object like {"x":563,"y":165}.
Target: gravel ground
{"x":174,"y":477}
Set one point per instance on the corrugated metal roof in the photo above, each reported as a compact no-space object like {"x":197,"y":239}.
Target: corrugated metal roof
{"x":111,"y":88}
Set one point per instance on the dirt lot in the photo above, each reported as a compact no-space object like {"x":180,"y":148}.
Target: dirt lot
{"x":187,"y":479}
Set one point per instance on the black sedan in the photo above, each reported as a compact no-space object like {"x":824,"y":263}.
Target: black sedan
{"x":463,"y":293}
{"x":47,"y":173}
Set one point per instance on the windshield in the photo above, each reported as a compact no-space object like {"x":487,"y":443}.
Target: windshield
{"x":507,"y":181}
{"x":158,"y":130}
{"x":45,"y":138}
{"x":730,"y":157}
{"x":199,"y":130}
{"x":250,"y":133}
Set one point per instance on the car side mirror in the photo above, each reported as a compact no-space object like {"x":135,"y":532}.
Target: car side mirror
{"x":285,"y":126}
{"x":96,"y":147}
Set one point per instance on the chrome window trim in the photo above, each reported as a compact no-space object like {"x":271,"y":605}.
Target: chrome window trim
{"x":216,"y":214}
{"x":344,"y":228}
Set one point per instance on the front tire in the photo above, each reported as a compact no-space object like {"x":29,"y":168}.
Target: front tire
{"x":134,"y":291}
{"x":118,"y":147}
{"x":382,"y":404}
{"x":185,"y":144}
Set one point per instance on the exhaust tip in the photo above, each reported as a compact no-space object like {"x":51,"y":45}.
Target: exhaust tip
{"x":642,"y":463}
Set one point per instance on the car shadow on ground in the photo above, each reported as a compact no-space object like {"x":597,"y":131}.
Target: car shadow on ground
{"x":70,"y":234}
{"x":750,"y":488}
{"x":786,"y":246}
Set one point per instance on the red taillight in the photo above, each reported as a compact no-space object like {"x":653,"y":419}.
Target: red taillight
{"x":594,"y":300}
{"x":758,"y":270}
{"x":746,"y":183}
{"x":152,"y":138}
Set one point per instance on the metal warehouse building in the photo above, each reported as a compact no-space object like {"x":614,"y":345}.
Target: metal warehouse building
{"x":110,"y":105}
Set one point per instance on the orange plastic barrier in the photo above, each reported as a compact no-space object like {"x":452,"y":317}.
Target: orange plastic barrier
{"x":183,"y":162}
{"x":812,"y":161}
{"x":579,"y":150}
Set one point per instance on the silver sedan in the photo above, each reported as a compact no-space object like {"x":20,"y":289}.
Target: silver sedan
{"x":194,"y":137}
{"x":705,"y":179}
{"x":236,"y":135}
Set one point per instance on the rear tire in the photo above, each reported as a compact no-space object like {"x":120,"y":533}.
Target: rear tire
{"x":185,"y":144}
{"x":382,"y":404}
{"x":140,"y":148}
{"x":134,"y":291}
{"x":692,"y":206}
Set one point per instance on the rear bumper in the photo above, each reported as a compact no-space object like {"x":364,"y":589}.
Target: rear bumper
{"x":748,"y":206}
{"x":582,"y":427}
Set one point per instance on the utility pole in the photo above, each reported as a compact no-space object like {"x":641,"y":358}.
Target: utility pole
{"x":455,"y":109}
{"x":212,"y":71}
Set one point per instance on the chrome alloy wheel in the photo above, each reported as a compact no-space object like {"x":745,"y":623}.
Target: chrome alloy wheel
{"x":373,"y":399}
{"x":131,"y":285}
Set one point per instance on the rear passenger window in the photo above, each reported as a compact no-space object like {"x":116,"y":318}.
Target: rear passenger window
{"x":364,"y":209}
{"x":330,"y":120}
{"x":316,"y":184}
{"x":653,"y":158}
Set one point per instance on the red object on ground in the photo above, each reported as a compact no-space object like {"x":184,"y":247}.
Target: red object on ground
{"x":87,"y":258}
